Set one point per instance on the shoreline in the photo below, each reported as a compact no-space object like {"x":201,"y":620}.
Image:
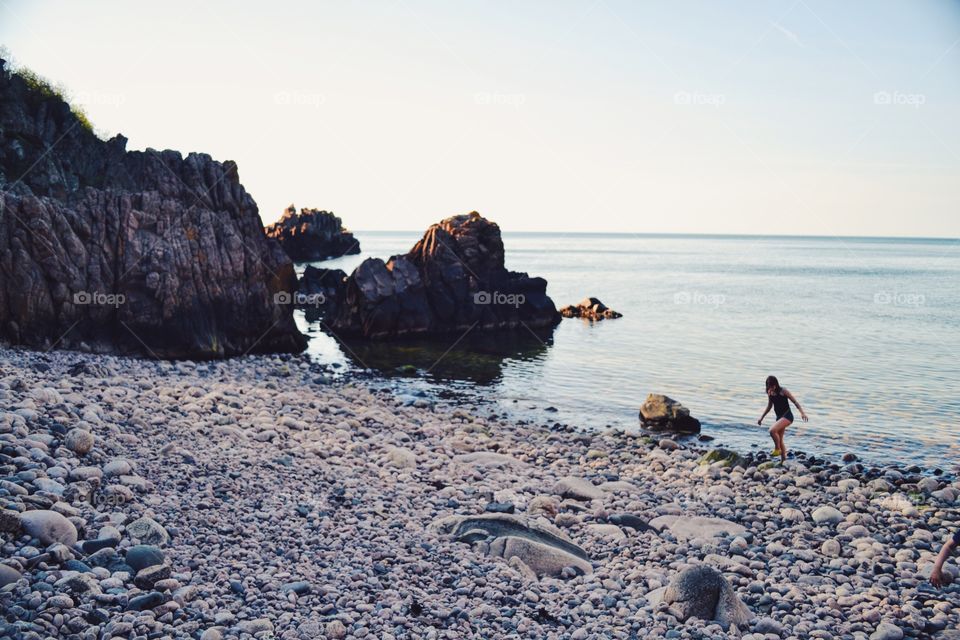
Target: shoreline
{"x":298,"y":506}
{"x":533,"y":416}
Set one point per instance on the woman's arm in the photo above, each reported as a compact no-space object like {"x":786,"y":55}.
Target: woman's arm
{"x":765,"y":411}
{"x":936,"y":576}
{"x":790,"y":396}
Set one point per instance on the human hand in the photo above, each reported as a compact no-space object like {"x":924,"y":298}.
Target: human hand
{"x":760,"y":421}
{"x":804,"y":417}
{"x":936,"y":578}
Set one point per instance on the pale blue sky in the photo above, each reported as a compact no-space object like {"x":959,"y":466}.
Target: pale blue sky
{"x":794,"y":116}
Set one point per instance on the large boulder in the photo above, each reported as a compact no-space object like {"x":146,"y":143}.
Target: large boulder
{"x":312,"y":235}
{"x":590,"y":309}
{"x":320,"y":292}
{"x":452,"y":281}
{"x":49,"y":527}
{"x":660,"y":413}
{"x":141,"y":252}
{"x":702,"y":592}
{"x":541,"y":547}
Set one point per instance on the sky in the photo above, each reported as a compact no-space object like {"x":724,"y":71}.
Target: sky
{"x":674,"y":116}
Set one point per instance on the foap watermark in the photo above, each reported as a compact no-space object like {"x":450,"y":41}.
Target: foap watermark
{"x":498,"y":298}
{"x":300,"y":299}
{"x":899,"y":299}
{"x":515,"y":100}
{"x":715,"y":100}
{"x":898,"y":98}
{"x":299,"y":99}
{"x":99,"y":98}
{"x":99,"y":299}
{"x":699,"y":298}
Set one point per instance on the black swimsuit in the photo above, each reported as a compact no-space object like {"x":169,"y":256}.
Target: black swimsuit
{"x":781,"y":406}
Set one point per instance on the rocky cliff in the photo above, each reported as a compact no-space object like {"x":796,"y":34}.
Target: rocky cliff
{"x":312,"y":235}
{"x":451,"y":281}
{"x":135,"y":252}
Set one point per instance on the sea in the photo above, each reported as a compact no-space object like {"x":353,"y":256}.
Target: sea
{"x":865,"y":332}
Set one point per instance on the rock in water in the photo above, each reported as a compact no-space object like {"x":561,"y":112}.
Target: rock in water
{"x":453,"y":280}
{"x":591,"y":309}
{"x":660,"y":413}
{"x":702,"y":592}
{"x":320,"y":291}
{"x":312,"y":235}
{"x":143,"y":252}
{"x":724,"y":457}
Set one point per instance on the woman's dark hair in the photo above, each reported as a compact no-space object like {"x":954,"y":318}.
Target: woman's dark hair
{"x":773,"y":383}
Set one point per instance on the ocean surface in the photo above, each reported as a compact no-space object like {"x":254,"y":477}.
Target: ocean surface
{"x":865,"y":332}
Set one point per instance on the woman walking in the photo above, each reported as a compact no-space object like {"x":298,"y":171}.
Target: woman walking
{"x":779,"y":398}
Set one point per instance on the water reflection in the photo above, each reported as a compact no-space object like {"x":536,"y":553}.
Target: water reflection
{"x":477,"y":357}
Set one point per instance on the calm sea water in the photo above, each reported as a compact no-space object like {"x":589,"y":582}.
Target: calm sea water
{"x":865,"y":332}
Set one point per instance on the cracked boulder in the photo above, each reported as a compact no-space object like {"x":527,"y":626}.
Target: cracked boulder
{"x":541,"y":547}
{"x":702,"y":592}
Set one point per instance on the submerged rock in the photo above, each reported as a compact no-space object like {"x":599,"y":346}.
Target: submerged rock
{"x":452,"y":281}
{"x":141,"y":252}
{"x":542,"y":548}
{"x":660,"y":413}
{"x":312,"y":235}
{"x":591,"y":309}
{"x":724,"y":457}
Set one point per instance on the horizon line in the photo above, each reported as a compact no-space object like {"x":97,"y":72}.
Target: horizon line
{"x":674,"y":234}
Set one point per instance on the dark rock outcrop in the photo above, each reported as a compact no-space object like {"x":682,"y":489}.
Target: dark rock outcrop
{"x":321,"y":291}
{"x":591,"y":309}
{"x":145,"y":253}
{"x":312,"y":235}
{"x":453,"y":280}
{"x":660,"y":413}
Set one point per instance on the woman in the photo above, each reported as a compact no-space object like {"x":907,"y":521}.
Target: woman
{"x":779,"y":398}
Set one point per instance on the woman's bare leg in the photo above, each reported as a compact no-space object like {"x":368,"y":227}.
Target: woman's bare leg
{"x":777,"y":430}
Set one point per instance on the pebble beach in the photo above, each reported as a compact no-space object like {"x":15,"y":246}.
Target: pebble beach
{"x":265,"y":497}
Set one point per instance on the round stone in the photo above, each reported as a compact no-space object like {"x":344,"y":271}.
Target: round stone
{"x":830,"y":548}
{"x":141,"y":556}
{"x":80,"y":441}
{"x":827,"y":515}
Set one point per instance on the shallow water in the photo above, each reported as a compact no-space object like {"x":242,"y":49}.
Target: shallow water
{"x":863,"y":331}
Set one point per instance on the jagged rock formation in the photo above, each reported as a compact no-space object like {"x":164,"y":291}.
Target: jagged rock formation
{"x":452,"y":280}
{"x":147,"y":253}
{"x":591,"y":309}
{"x":312,"y":235}
{"x":321,"y":291}
{"x":660,"y":413}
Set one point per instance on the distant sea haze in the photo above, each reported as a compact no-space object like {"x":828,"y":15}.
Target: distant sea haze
{"x":864,"y":331}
